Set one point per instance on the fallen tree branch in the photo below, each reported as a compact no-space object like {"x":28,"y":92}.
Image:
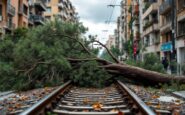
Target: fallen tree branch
{"x":104,"y":62}
{"x":82,"y":45}
{"x":109,"y":52}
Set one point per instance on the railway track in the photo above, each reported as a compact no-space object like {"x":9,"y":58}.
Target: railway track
{"x":71,"y":100}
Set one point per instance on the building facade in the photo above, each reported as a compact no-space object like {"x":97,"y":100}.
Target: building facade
{"x":180,"y":39}
{"x":123,"y":31}
{"x":135,"y":27}
{"x":7,"y":14}
{"x":29,"y":13}
{"x":23,"y":12}
{"x":62,"y":9}
{"x":36,"y":12}
{"x":166,"y":22}
{"x":111,"y":41}
{"x":150,"y":27}
{"x":158,"y":25}
{"x":13,"y":14}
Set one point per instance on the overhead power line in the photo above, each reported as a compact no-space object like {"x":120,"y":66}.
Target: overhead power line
{"x":112,"y":12}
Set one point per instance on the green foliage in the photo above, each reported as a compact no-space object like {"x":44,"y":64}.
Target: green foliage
{"x":128,"y":47}
{"x":151,"y":62}
{"x":90,"y":75}
{"x":173,"y":66}
{"x":130,"y":9}
{"x":116,"y":52}
{"x":183,"y":69}
{"x":173,"y":86}
{"x":36,"y":57}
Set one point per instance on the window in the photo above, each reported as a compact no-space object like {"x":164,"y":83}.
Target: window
{"x":25,"y":9}
{"x":1,"y":17}
{"x":48,"y":9}
{"x":168,"y":18}
{"x":181,"y":4}
{"x":181,"y":26}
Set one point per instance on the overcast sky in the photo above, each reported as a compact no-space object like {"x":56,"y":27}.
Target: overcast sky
{"x":94,"y":13}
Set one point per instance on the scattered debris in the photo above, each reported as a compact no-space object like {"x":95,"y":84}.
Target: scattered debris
{"x":159,"y":100}
{"x":20,"y":101}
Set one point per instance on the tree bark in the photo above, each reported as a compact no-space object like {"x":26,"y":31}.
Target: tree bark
{"x":133,"y":73}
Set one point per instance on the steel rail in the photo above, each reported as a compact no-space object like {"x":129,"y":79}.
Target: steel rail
{"x":42,"y":104}
{"x":46,"y":104}
{"x":143,"y":107}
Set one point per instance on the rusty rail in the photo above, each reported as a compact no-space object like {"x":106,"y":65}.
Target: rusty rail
{"x":135,"y":104}
{"x":143,"y":108}
{"x":43,"y":104}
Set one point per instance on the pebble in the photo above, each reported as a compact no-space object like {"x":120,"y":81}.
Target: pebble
{"x":20,"y":101}
{"x":159,"y":99}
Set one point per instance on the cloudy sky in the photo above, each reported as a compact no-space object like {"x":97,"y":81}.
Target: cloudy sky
{"x":94,"y":13}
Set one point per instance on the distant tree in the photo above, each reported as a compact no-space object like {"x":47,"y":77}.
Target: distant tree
{"x":105,"y":55}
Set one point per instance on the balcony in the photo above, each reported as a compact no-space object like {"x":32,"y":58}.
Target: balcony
{"x":166,"y":27}
{"x":40,"y":4}
{"x":38,"y":19}
{"x":30,"y":20}
{"x":10,"y":10}
{"x":151,"y":28}
{"x":165,"y":7}
{"x":152,"y":48}
{"x":61,"y":5}
{"x":152,"y":8}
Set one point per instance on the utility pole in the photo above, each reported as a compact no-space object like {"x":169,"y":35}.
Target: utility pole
{"x":173,"y":27}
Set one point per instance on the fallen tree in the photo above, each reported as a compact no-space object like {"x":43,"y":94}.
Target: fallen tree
{"x":48,"y":55}
{"x":132,"y":72}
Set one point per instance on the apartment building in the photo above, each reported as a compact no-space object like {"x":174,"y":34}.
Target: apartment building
{"x":62,"y":9}
{"x":13,"y":14}
{"x":119,"y":34}
{"x":7,"y":13}
{"x":167,"y":19}
{"x":135,"y":27}
{"x":180,"y":39}
{"x":23,"y":12}
{"x":111,"y":41}
{"x":36,"y":12}
{"x":123,"y":31}
{"x":150,"y":27}
{"x":123,"y":16}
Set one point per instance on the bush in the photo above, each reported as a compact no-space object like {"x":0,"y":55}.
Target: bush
{"x":90,"y":75}
{"x":173,"y":66}
{"x":183,"y":69}
{"x":151,"y":62}
{"x":173,"y":86}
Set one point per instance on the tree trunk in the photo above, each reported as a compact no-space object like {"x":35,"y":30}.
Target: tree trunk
{"x":142,"y":75}
{"x":134,"y":73}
